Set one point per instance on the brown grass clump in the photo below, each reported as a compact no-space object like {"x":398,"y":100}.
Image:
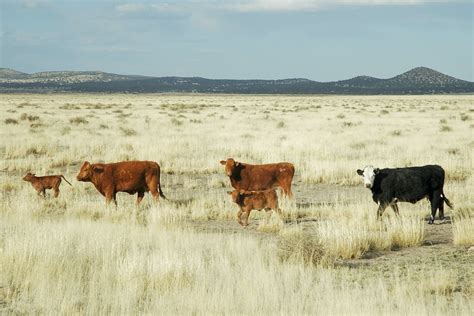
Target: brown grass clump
{"x":11,"y":121}
{"x":128,"y":131}
{"x":445,"y":128}
{"x":31,"y":118}
{"x":78,"y":120}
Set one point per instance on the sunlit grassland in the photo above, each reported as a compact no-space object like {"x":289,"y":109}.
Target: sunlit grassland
{"x":188,"y":254}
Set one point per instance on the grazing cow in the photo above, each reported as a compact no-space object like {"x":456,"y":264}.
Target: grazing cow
{"x":127,"y":176}
{"x":254,"y":200}
{"x":259,"y":177}
{"x":412,"y":184}
{"x":41,"y":184}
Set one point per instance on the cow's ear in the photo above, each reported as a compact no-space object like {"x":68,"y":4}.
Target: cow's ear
{"x":360,"y":172}
{"x":222,"y":162}
{"x":376,"y":170}
{"x":98,"y":169}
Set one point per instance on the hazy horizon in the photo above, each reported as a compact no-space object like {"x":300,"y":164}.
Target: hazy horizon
{"x":262,"y":39}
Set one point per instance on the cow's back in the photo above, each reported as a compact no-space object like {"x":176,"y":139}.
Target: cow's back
{"x":408,"y":184}
{"x":261,"y":177}
{"x":130,"y":176}
{"x":261,"y":199}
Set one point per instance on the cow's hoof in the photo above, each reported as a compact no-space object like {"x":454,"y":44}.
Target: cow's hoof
{"x":431,"y":222}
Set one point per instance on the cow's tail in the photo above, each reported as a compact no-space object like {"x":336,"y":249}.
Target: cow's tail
{"x":66,"y":180}
{"x":161,"y":192}
{"x":448,"y":203}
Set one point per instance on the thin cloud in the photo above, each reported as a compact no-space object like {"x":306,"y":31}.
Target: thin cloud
{"x":131,"y":7}
{"x":263,"y":5}
{"x":313,"y":5}
{"x":33,"y":4}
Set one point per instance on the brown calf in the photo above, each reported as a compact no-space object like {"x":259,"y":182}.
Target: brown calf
{"x":249,"y":177}
{"x":254,"y":200}
{"x":41,"y":184}
{"x":126,"y":176}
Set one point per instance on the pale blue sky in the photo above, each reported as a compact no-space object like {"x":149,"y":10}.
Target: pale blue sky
{"x":263,"y":39}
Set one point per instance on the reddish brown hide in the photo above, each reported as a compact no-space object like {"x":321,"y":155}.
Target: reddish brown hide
{"x":254,"y":200}
{"x":41,"y":184}
{"x":126,"y":176}
{"x":249,"y":177}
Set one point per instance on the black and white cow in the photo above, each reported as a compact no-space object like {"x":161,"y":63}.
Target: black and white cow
{"x":411,"y":184}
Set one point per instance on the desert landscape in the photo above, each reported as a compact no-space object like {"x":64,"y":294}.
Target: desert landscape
{"x":327,"y":254}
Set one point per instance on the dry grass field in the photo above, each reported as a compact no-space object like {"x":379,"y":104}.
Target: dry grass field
{"x":327,"y":255}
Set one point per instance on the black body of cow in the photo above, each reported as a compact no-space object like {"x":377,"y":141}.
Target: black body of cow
{"x":410,"y":185}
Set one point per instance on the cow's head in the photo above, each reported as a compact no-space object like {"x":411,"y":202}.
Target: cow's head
{"x":29,"y":176}
{"x":368,"y":173}
{"x":87,"y":171}
{"x":230,"y":165}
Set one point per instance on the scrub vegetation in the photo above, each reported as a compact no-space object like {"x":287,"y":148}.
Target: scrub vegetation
{"x":327,"y":254}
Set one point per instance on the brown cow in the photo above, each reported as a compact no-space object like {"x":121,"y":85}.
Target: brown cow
{"x":255,"y":200}
{"x":126,"y":176}
{"x":259,"y":177}
{"x":41,"y":184}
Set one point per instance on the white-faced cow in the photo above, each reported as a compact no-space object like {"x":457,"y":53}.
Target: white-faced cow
{"x":412,"y":184}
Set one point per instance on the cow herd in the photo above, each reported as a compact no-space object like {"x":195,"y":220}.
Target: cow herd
{"x":254,"y":185}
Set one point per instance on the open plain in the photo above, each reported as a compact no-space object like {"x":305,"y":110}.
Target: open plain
{"x":327,"y":255}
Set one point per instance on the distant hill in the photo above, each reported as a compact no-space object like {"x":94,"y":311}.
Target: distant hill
{"x":420,"y":80}
{"x":423,"y":76}
{"x":61,"y":77}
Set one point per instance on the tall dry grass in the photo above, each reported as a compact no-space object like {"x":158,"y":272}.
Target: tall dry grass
{"x":188,"y":255}
{"x":78,"y":266}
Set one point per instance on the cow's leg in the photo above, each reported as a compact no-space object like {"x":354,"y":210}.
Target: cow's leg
{"x":152,"y":184}
{"x":110,"y":196}
{"x":56,"y":192}
{"x":290,"y":193}
{"x":435,"y":200}
{"x":382,"y":207}
{"x":268,"y":214}
{"x":286,"y":188}
{"x":39,"y":192}
{"x":394,"y":207}
{"x":441,"y":209}
{"x":140,"y":196}
{"x":246,"y":214}
{"x":278,"y":211}
{"x":239,"y":219}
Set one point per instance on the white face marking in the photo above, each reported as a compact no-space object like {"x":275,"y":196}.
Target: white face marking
{"x":369,"y":176}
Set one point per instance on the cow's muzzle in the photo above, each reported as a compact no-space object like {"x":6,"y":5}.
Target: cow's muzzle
{"x":368,"y":185}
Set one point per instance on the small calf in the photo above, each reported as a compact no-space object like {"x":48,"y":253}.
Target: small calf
{"x":254,"y":200}
{"x":41,"y":184}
